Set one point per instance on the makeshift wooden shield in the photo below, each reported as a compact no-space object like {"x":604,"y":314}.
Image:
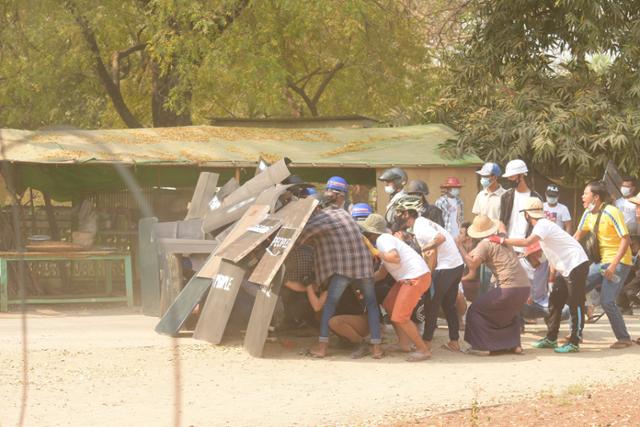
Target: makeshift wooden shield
{"x":217,"y":308}
{"x":197,"y":287}
{"x":250,"y":239}
{"x":613,"y":180}
{"x":294,"y":216}
{"x":236,"y":203}
{"x":206,"y":188}
{"x":263,"y":308}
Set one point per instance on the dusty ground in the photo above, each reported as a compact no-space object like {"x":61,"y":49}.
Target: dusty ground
{"x":108,"y":367}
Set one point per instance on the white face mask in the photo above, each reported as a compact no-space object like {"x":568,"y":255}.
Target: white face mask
{"x":591,"y":206}
{"x":389,"y":189}
{"x":485,"y":182}
{"x":552,"y":200}
{"x":455,"y":192}
{"x":626,"y":191}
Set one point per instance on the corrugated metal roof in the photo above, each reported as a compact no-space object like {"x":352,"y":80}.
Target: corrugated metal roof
{"x":411,"y":146}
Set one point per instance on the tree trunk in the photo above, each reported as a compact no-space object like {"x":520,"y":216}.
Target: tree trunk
{"x":161,"y":89}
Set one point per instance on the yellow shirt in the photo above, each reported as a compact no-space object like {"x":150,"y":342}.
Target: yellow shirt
{"x":610,"y":231}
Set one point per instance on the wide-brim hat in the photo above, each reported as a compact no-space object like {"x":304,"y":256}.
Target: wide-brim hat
{"x":533,"y":206}
{"x":375,"y":224}
{"x":481,"y":227}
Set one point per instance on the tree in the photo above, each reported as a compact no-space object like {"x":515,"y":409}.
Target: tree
{"x":530,"y":83}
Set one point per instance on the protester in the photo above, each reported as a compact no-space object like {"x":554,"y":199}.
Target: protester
{"x":446,"y":275}
{"x":630,"y":294}
{"x":419,"y":188}
{"x":570,"y":261}
{"x":555,"y":211}
{"x":341,"y":258}
{"x":537,"y":268}
{"x":628,"y":189}
{"x":394,"y":181}
{"x":487,"y":201}
{"x":336,"y":192}
{"x":512,"y":200}
{"x":614,"y":263}
{"x":451,"y":206}
{"x":412,"y":279}
{"x":361,"y":211}
{"x":493,"y":319}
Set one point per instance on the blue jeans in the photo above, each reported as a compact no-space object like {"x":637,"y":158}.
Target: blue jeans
{"x":609,"y":292}
{"x":337,"y":286}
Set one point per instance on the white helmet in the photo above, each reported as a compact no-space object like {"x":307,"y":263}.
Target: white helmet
{"x":515,"y":167}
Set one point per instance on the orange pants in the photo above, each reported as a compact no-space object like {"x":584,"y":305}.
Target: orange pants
{"x":404,"y":296}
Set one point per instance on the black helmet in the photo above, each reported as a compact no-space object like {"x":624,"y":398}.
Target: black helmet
{"x":397,"y":175}
{"x":416,"y":186}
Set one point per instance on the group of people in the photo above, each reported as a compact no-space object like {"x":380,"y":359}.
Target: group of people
{"x":353,"y":269}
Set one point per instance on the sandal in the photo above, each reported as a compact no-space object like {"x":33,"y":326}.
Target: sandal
{"x":361,"y":352}
{"x":618,"y":345}
{"x":418,"y":356}
{"x":379,"y":355}
{"x":395,"y":348}
{"x":637,"y":341}
{"x":313,"y":355}
{"x":451,"y":349}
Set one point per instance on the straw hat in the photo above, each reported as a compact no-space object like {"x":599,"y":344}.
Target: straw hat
{"x":635,"y":199}
{"x":533,"y":206}
{"x":481,"y":227}
{"x":375,"y":224}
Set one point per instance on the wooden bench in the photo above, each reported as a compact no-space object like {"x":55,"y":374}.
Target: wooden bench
{"x":6,"y":257}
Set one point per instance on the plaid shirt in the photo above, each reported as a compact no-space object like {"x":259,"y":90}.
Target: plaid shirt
{"x":443,"y":203}
{"x":338,"y":245}
{"x":299,"y":265}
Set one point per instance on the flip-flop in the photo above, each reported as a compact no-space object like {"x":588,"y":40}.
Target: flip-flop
{"x":313,"y":355}
{"x":637,"y":341}
{"x":361,"y":352}
{"x":417,"y":356}
{"x":395,"y":348}
{"x":447,"y":347}
{"x":378,"y":356}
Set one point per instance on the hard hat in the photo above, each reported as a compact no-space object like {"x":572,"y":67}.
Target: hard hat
{"x":490,"y":168}
{"x":361,"y":210}
{"x":452,"y":181}
{"x":337,"y":183}
{"x":515,"y":167}
{"x":407,"y":203}
{"x":397,"y":175}
{"x":417,"y":186}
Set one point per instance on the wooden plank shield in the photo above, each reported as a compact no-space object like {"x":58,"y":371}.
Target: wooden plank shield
{"x":217,"y":308}
{"x":197,"y":287}
{"x":263,"y":308}
{"x":251,"y":238}
{"x":294,"y":217}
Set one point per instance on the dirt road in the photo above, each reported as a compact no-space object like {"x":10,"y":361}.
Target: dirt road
{"x":108,"y":367}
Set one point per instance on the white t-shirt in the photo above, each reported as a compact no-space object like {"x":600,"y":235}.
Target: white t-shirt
{"x":562,"y":250}
{"x":518,"y":224}
{"x":411,"y":264}
{"x":558,"y":213}
{"x":448,"y":255}
{"x":628,"y":210}
{"x":487,"y":203}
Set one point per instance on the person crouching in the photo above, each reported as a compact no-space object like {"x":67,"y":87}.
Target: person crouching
{"x":413,"y":278}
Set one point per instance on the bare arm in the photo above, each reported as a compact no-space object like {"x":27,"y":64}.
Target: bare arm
{"x":295,"y":286}
{"x":472,"y":261}
{"x":317,"y":302}
{"x":434,"y":243}
{"x":568,"y":226}
{"x":380,"y":274}
{"x":522,"y":242}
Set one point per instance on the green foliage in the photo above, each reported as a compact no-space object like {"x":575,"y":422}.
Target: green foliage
{"x":181,"y":61}
{"x":552,"y":82}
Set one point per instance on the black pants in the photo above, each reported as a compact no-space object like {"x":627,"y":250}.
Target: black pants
{"x":630,"y":293}
{"x":568,"y":291}
{"x":443,"y":292}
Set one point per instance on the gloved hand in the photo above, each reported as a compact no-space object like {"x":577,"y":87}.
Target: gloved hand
{"x":496,"y":239}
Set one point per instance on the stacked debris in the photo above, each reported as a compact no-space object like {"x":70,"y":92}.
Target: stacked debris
{"x":248,"y":231}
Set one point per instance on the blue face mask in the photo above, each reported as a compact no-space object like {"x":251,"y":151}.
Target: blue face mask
{"x":485,"y":182}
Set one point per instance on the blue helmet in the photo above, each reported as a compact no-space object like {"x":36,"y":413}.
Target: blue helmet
{"x":490,"y":168}
{"x":337,"y":183}
{"x":311,"y":191}
{"x":361,"y":210}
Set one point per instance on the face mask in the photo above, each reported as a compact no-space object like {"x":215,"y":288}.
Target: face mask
{"x":626,"y":191}
{"x":514,"y":183}
{"x":389,"y":189}
{"x":591,"y":206}
{"x":455,"y":192}
{"x":543,"y":259}
{"x":485,"y":182}
{"x":552,"y":200}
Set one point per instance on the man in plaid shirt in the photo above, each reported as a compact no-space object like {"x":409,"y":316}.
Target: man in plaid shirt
{"x":341,"y":258}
